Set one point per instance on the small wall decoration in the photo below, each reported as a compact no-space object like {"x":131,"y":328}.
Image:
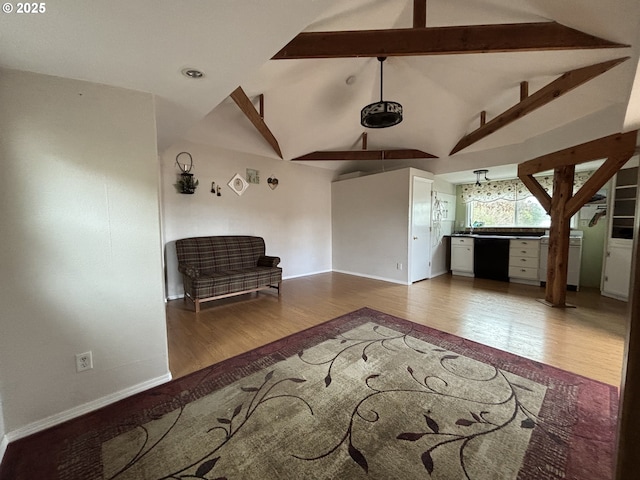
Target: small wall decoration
{"x":186,"y":183}
{"x":272,"y":181}
{"x":215,"y":189}
{"x":253,"y":176}
{"x":238,"y":184}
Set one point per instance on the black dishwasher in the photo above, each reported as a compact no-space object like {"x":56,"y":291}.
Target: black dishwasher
{"x":491,"y":258}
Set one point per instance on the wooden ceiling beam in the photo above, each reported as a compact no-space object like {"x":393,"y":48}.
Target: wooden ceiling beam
{"x":397,"y":154}
{"x":512,"y":37}
{"x":618,"y":144}
{"x":255,"y":117}
{"x":545,"y":95}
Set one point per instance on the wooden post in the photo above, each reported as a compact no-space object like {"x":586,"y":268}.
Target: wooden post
{"x":483,"y":117}
{"x":262,"y":106}
{"x":556,"y":291}
{"x":419,"y":13}
{"x":524,"y":90}
{"x":364,"y":141}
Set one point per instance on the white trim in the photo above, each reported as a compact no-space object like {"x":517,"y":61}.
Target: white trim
{"x":4,"y":443}
{"x":74,"y":412}
{"x":391,"y":280}
{"x":437,"y":274}
{"x":306,"y":274}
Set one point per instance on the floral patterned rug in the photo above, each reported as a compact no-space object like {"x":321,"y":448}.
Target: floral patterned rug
{"x":366,"y":395}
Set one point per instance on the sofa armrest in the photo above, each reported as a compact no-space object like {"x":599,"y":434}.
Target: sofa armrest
{"x":189,"y":270}
{"x":266,"y":261}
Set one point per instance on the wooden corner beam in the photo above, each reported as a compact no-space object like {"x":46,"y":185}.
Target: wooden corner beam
{"x":529,"y":103}
{"x":255,"y":117}
{"x":563,"y":204}
{"x":513,"y":37}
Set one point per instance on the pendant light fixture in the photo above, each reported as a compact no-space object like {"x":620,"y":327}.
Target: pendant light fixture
{"x":481,"y":172}
{"x":381,"y":114}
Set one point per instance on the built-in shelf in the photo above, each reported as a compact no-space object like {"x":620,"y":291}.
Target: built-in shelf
{"x":624,"y":204}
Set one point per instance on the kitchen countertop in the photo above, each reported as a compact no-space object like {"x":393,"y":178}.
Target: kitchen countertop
{"x":506,"y":237}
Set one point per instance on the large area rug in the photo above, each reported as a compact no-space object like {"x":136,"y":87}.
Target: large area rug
{"x":366,"y":395}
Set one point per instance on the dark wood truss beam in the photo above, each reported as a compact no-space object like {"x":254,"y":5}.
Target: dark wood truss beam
{"x":399,"y":154}
{"x":529,"y":103}
{"x":514,"y":37}
{"x":255,"y":117}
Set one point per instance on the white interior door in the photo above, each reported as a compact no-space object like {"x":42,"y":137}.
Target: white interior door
{"x":420,"y":244}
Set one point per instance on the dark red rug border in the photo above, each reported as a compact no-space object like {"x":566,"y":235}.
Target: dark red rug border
{"x":47,"y":447}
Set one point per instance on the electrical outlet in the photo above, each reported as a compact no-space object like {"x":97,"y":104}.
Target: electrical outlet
{"x":84,"y":361}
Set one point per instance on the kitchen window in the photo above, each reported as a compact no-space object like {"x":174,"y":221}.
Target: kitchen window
{"x":509,"y":203}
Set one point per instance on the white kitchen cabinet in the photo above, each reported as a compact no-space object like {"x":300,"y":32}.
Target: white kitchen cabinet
{"x":524,"y":259}
{"x":616,"y":268}
{"x":616,"y":277}
{"x":462,"y":256}
{"x":575,"y":259}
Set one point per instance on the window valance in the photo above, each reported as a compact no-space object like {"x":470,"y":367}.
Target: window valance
{"x":513,"y":190}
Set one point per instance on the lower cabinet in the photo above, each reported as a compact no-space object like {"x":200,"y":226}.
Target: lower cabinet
{"x":616,"y":277}
{"x":462,"y":256}
{"x":524,"y":257}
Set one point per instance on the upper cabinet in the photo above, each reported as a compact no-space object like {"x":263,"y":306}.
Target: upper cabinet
{"x":624,"y":203}
{"x":616,"y":269}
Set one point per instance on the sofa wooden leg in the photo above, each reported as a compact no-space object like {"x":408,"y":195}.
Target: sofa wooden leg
{"x":197,"y":305}
{"x":279,"y":287}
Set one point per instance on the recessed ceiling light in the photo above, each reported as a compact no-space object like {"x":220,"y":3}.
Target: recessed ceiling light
{"x":192,"y":73}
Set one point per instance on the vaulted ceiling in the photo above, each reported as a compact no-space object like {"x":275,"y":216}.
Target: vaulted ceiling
{"x":314,"y":104}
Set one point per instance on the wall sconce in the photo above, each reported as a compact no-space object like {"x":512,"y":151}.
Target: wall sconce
{"x":481,"y":172}
{"x":186,"y":183}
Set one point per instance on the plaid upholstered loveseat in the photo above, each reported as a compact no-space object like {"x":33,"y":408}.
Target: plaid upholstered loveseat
{"x":223,"y":266}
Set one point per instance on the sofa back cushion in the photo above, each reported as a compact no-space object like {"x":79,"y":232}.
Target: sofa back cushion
{"x":220,"y":252}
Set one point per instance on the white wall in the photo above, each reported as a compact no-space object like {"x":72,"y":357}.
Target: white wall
{"x":3,"y":437}
{"x":81,"y":253}
{"x":294,"y":219}
{"x":370,"y":217}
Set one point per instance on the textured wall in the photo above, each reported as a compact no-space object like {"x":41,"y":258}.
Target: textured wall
{"x":81,"y":257}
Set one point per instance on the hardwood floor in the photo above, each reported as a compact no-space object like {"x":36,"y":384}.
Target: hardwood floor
{"x":588,"y":340}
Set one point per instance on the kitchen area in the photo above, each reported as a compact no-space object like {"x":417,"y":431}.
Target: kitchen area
{"x":600,"y":244}
{"x":519,"y":257}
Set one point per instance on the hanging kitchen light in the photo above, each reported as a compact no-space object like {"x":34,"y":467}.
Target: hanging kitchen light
{"x":381,"y":114}
{"x":481,"y":172}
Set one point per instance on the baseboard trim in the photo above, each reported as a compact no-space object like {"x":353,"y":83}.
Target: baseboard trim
{"x":306,"y":274}
{"x":373,"y":277}
{"x":437,"y":274}
{"x":75,"y":412}
{"x":4,"y":443}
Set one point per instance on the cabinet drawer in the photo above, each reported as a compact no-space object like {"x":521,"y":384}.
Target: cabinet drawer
{"x":523,"y":262}
{"x":524,"y":251}
{"x":461,"y":241}
{"x":529,"y":273}
{"x":525,"y":243}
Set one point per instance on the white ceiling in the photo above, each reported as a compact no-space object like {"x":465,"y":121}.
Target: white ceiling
{"x":143,"y":45}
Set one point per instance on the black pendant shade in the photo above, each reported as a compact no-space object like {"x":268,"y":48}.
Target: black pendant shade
{"x":381,"y":114}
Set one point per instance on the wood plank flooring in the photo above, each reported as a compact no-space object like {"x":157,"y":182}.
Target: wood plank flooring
{"x":588,"y":340}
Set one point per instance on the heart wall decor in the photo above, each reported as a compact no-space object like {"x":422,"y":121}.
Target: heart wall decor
{"x":272,"y":181}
